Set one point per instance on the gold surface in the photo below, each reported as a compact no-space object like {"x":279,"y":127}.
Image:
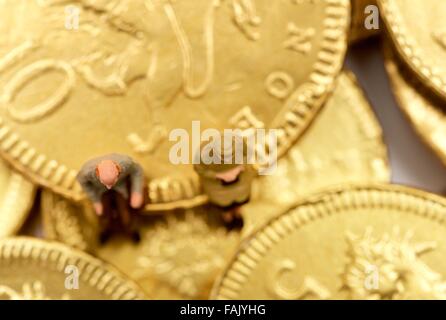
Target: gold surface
{"x":370,"y":242}
{"x":179,"y":256}
{"x":418,"y":31}
{"x":425,"y":112}
{"x":344,"y":144}
{"x":32,"y":269}
{"x":134,"y":70}
{"x":16,"y":199}
{"x":182,"y":253}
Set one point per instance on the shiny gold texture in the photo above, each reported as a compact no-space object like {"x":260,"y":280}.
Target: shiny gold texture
{"x":363,"y":242}
{"x":181,"y":254}
{"x":425,"y":112}
{"x":417,"y":29}
{"x":32,"y":269}
{"x":16,"y":199}
{"x":84,"y":78}
{"x":343,"y":145}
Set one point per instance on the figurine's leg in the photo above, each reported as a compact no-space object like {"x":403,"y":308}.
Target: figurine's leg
{"x":124,"y":212}
{"x":105,"y":221}
{"x":232,"y":216}
{"x":126,"y":215}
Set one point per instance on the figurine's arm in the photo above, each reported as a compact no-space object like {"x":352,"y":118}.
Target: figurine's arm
{"x":137,"y":185}
{"x":90,"y":190}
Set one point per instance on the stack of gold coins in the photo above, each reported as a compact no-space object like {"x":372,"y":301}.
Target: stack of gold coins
{"x":81,"y":79}
{"x":415,"y":52}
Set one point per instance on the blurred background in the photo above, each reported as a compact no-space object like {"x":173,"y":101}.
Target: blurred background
{"x":412,"y":162}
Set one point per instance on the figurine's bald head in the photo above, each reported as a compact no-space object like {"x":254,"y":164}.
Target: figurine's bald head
{"x":107,"y":172}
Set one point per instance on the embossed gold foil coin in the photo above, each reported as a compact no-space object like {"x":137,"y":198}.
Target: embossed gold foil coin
{"x":425,"y":112}
{"x":33,"y":269}
{"x":84,"y":78}
{"x":16,"y":199}
{"x":418,"y":32}
{"x":370,"y":242}
{"x":179,"y":256}
{"x":343,"y":145}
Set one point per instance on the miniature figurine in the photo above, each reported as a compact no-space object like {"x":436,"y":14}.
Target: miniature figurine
{"x":108,"y":181}
{"x":227,"y":185}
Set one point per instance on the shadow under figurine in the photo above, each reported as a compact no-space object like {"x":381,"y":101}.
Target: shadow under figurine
{"x":227,"y":185}
{"x":115,"y":185}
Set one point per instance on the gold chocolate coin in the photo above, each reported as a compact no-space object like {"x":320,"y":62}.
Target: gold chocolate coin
{"x":16,"y":200}
{"x":425,"y":112}
{"x":418,"y":31}
{"x":369,"y":242}
{"x":179,"y":256}
{"x":33,"y":269}
{"x":343,"y":145}
{"x":84,"y":78}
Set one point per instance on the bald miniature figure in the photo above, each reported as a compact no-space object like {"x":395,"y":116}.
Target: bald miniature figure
{"x":99,"y":177}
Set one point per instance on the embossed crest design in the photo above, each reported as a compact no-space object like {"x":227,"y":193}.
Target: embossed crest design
{"x":401,"y":273}
{"x":182,"y":252}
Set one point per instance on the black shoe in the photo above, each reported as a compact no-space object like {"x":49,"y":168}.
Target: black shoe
{"x":136,"y":238}
{"x":104,"y":237}
{"x":235,"y":224}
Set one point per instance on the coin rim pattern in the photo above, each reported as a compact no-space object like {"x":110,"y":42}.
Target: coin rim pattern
{"x":406,"y":47}
{"x":370,"y":129}
{"x":17,"y":202}
{"x":319,"y":206}
{"x":169,"y":194}
{"x":96,"y":273}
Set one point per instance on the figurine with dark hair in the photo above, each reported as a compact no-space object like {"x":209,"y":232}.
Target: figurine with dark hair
{"x":115,"y":185}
